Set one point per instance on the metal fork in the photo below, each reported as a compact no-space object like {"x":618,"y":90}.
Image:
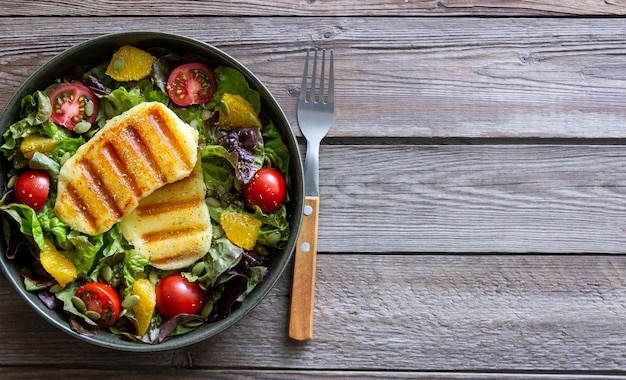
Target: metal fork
{"x":316,"y":108}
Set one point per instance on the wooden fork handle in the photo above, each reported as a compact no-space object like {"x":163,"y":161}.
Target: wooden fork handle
{"x":303,"y":286}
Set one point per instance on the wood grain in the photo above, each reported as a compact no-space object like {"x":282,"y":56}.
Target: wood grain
{"x":425,"y":78}
{"x":473,"y":198}
{"x":483,"y":313}
{"x":317,"y":8}
{"x":277,"y":374}
{"x":472,"y":216}
{"x":303,"y":284}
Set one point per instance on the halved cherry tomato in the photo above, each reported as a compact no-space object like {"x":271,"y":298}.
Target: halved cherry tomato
{"x":191,"y":83}
{"x":102,"y":299}
{"x":32,"y":188}
{"x":73,"y":103}
{"x":266,"y":190}
{"x":176,"y":295}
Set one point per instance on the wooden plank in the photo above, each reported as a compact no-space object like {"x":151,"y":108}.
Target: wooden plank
{"x":400,"y":77}
{"x":473,"y":198}
{"x":276,"y":374}
{"x":466,"y":313}
{"x":315,"y":8}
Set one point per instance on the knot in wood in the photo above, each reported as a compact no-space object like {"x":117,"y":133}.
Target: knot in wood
{"x":293,"y":91}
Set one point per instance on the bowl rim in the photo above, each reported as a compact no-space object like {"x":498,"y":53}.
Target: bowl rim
{"x":207,"y":330}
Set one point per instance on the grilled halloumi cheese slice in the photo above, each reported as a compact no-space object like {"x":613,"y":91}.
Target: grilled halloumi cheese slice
{"x":133,"y":155}
{"x":172,"y":226}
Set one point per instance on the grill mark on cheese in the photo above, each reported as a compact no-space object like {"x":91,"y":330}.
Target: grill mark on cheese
{"x":134,"y":155}
{"x":143,"y":152}
{"x":120,"y":169}
{"x":77,"y":203}
{"x":99,"y":186}
{"x":173,"y":233}
{"x":155,"y":209}
{"x":168,"y":137}
{"x":168,"y":260}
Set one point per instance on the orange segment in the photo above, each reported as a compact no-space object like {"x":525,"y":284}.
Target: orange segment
{"x":130,"y":63}
{"x":237,"y":113}
{"x":147,"y":302}
{"x":57,"y":265}
{"x":241,"y":229}
{"x":35,"y":143}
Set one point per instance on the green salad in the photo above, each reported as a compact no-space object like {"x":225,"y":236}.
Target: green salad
{"x":102,"y":280}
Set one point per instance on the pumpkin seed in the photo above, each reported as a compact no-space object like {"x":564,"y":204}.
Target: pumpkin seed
{"x":225,"y":109}
{"x":213,"y":202}
{"x":210,"y":105}
{"x":130,"y":301}
{"x":107,"y":273}
{"x":273,"y":238}
{"x":109,"y":110}
{"x":82,"y":127}
{"x":194,"y":324}
{"x":119,"y":64}
{"x":79,"y":304}
{"x":66,"y":245}
{"x":153,"y":276}
{"x":194,"y":124}
{"x":206,"y":114}
{"x":55,"y":288}
{"x":89,"y":108}
{"x":206,"y":309}
{"x":93,"y":315}
{"x":260,"y":249}
{"x":115,"y":258}
{"x":66,"y":156}
{"x":12,"y":181}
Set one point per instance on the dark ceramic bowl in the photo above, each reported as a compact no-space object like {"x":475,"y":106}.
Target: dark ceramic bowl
{"x":99,"y":50}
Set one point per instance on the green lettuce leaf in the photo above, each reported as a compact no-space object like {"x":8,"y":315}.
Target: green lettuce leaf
{"x":85,"y":250}
{"x":43,"y":162}
{"x":119,"y":101}
{"x":232,"y":81}
{"x":36,"y":108}
{"x":222,"y":256}
{"x":275,"y":149}
{"x":50,"y":223}
{"x":134,"y":265}
{"x":275,"y":227}
{"x":26,"y":219}
{"x":218,"y":179}
{"x":67,"y":146}
{"x":258,"y":274}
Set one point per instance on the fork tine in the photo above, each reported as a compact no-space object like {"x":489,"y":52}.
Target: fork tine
{"x":325,"y":93}
{"x":320,"y":98}
{"x":313,"y":78}
{"x":331,"y":80}
{"x":304,"y":77}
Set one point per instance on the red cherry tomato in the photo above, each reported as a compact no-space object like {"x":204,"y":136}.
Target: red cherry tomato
{"x":176,"y":295}
{"x":73,"y":103}
{"x":191,"y":83}
{"x":102,"y":299}
{"x":32,"y":188}
{"x":266,"y":190}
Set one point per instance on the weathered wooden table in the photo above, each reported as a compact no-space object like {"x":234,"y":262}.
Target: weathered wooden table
{"x":473,"y":214}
